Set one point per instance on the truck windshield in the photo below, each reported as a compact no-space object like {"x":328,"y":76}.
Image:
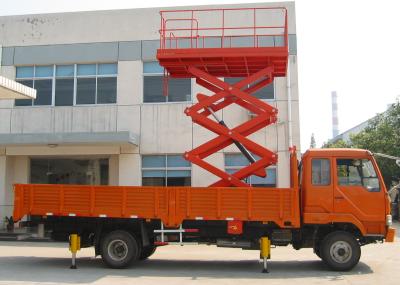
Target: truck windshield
{"x":357,"y":172}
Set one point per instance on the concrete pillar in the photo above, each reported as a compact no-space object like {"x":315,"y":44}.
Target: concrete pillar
{"x":113,"y":169}
{"x":21,"y":169}
{"x":283,"y":170}
{"x":6,"y":187}
{"x":129,"y":170}
{"x":3,"y":188}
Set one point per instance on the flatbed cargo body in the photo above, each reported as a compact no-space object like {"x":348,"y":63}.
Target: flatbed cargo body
{"x":171,"y":205}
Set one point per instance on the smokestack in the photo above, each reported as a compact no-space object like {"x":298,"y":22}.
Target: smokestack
{"x":335,"y":118}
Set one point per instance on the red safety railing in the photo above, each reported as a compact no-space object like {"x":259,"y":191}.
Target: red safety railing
{"x":218,"y":28}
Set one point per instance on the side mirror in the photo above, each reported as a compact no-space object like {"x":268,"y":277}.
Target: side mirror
{"x":398,"y":162}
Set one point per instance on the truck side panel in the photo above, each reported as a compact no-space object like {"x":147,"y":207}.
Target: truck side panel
{"x":170,"y":204}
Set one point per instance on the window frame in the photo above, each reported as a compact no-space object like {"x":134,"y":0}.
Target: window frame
{"x":362,"y":160}
{"x":330,"y":172}
{"x":75,"y":77}
{"x":155,"y":74}
{"x":166,"y":168}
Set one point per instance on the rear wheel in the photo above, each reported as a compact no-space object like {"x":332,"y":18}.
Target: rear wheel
{"x":340,"y":251}
{"x":119,"y":249}
{"x":147,"y":252}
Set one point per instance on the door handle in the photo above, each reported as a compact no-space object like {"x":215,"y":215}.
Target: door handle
{"x":339,"y":197}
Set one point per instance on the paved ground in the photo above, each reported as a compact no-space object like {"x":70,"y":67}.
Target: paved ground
{"x":34,"y":263}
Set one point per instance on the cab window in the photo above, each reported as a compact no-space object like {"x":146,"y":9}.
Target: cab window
{"x":360,"y":172}
{"x":321,"y":171}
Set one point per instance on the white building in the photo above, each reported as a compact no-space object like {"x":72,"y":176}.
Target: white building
{"x":100,"y":116}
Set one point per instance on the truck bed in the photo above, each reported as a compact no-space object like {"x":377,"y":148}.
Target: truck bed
{"x":172,"y":205}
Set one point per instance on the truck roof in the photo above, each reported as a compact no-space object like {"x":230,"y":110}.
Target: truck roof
{"x":337,"y":152}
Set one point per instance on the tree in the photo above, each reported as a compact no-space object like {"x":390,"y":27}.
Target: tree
{"x":312,"y":142}
{"x":336,"y":144}
{"x":381,"y":135}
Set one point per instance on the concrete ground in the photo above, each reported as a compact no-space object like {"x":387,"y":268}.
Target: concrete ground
{"x":48,"y":263}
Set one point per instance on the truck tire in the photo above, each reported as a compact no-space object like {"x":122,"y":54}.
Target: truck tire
{"x":119,"y":249}
{"x":340,"y":251}
{"x":317,"y":250}
{"x":147,"y":252}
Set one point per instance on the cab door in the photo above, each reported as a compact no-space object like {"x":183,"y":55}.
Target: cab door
{"x":357,"y":192}
{"x":317,"y":198}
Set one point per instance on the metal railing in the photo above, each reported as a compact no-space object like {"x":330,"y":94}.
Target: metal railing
{"x":218,"y":28}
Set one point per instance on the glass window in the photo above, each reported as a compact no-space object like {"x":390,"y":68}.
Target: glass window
{"x":154,"y":161}
{"x":152,"y":67}
{"x":44,"y":92}
{"x":64,"y":70}
{"x":24,"y":102}
{"x":165,"y":170}
{"x":106,"y":90}
{"x":321,"y":171}
{"x":357,"y":172}
{"x":179,"y":89}
{"x":177,"y":161}
{"x":86,"y":91}
{"x":44,"y":71}
{"x":84,"y":84}
{"x":24,"y":72}
{"x":64,"y":92}
{"x":267,"y":92}
{"x":86,"y":69}
{"x":153,"y":89}
{"x":107,"y":68}
{"x":236,"y":161}
{"x":69,"y":171}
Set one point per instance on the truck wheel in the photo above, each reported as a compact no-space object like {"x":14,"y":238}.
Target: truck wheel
{"x":340,"y":251}
{"x":147,"y":252}
{"x":119,"y":249}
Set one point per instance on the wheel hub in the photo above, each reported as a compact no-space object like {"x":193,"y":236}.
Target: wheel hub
{"x":341,"y":251}
{"x":117,"y":250}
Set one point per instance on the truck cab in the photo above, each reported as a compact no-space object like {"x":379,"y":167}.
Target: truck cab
{"x":344,"y":187}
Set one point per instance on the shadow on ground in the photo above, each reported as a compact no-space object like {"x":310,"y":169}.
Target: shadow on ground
{"x":56,"y":270}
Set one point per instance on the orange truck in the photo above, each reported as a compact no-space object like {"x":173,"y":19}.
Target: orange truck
{"x":336,"y":203}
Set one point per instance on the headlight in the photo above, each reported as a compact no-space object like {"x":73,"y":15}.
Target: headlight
{"x":389,"y":220}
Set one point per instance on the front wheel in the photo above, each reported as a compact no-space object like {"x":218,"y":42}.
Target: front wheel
{"x":119,"y":249}
{"x":340,"y":251}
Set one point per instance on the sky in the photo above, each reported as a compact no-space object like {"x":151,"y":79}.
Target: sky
{"x":350,"y":46}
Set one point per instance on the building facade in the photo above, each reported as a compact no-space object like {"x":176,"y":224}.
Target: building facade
{"x":100,"y":116}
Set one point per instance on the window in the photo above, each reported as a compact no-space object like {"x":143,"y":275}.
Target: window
{"x":64,"y":88}
{"x":68,"y":85}
{"x":267,"y":92}
{"x":40,"y":78}
{"x":179,"y":89}
{"x":69,"y":171}
{"x":357,"y":172}
{"x":165,"y":170}
{"x":236,"y":161}
{"x":321,"y":171}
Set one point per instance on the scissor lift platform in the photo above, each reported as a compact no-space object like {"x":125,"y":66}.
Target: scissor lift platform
{"x":224,"y":62}
{"x":207,"y":44}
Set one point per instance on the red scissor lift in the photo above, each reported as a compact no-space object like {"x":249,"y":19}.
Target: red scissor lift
{"x":208,"y":44}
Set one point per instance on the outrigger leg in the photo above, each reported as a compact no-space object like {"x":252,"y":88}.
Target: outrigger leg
{"x":265,"y":252}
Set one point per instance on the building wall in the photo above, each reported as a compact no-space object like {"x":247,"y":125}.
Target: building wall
{"x":128,"y":37}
